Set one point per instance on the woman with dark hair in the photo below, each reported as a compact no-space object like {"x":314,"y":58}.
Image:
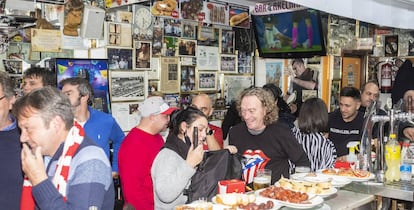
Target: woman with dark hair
{"x":176,"y":163}
{"x":311,"y":134}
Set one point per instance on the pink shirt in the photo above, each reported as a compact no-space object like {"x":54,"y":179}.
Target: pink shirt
{"x":137,"y":152}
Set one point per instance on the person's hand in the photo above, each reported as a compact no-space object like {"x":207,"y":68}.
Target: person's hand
{"x":288,"y":71}
{"x":32,"y":165}
{"x":115,"y":175}
{"x":293,"y":108}
{"x":409,"y":133}
{"x":195,"y":156}
{"x":231,"y":148}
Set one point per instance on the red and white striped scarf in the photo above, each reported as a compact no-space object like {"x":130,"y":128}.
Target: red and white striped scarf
{"x":60,"y":178}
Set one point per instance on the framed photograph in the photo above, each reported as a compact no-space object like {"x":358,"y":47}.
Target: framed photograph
{"x":143,"y":55}
{"x":154,"y":71}
{"x":228,"y":64}
{"x":13,"y":66}
{"x":119,"y":58}
{"x":119,"y":34}
{"x":153,"y":86}
{"x":157,"y":41}
{"x":187,"y":78}
{"x":172,"y":27}
{"x":391,"y":45}
{"x":207,"y":58}
{"x":207,"y":81}
{"x":244,"y":62}
{"x":128,"y":85}
{"x":187,"y":47}
{"x":169,"y":75}
{"x":169,"y":46}
{"x":270,"y":71}
{"x":227,"y":41}
{"x":189,"y":29}
{"x":234,"y":85}
{"x":208,"y":36}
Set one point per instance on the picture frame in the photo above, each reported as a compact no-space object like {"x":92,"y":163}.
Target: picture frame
{"x":118,"y":34}
{"x":227,"y":41}
{"x":189,"y":30}
{"x":228,"y":64}
{"x":13,"y":66}
{"x":154,"y":71}
{"x":207,"y":81}
{"x":234,"y":85}
{"x":208,"y":58}
{"x":119,"y":58}
{"x":157,"y":41}
{"x":143,"y":54}
{"x":169,"y":75}
{"x":172,"y":27}
{"x":188,"y":78}
{"x":187,"y":47}
{"x":244,"y":62}
{"x":128,"y":85}
{"x":153,"y":86}
{"x":169,"y":46}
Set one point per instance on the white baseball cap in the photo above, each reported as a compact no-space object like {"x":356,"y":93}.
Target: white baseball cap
{"x":155,"y":105}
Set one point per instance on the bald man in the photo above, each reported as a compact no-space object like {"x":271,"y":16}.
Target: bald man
{"x":214,"y":139}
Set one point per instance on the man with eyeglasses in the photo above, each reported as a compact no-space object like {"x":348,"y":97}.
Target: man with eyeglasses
{"x":11,"y":177}
{"x":304,"y":83}
{"x":214,"y":139}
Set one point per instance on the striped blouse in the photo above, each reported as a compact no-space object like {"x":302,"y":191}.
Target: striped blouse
{"x":320,"y":150}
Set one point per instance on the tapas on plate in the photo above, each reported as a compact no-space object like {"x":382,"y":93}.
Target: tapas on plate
{"x":354,"y":175}
{"x":336,"y":181}
{"x":290,"y":198}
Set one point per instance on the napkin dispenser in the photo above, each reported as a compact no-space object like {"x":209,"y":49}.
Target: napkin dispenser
{"x":231,"y":186}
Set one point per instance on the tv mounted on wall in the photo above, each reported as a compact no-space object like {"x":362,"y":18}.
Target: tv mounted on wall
{"x":94,"y":70}
{"x":295,"y":33}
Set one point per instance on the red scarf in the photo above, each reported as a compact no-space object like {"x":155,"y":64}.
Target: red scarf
{"x":60,"y":179}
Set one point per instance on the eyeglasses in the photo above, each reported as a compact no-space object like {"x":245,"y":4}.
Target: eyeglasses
{"x":1,"y":98}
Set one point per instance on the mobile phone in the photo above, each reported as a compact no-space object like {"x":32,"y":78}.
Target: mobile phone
{"x":195,"y":136}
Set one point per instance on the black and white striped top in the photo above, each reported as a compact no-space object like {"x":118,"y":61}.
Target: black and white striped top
{"x":320,"y":150}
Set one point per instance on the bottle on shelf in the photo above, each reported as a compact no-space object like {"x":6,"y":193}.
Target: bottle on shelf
{"x":386,"y":77}
{"x":406,"y":168}
{"x":392,"y":159}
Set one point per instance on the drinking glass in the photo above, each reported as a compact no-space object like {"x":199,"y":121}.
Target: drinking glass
{"x":262,"y":179}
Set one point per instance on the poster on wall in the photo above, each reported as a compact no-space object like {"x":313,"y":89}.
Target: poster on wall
{"x":46,"y":40}
{"x":167,"y":8}
{"x":128,"y":85}
{"x":207,"y":58}
{"x":126,"y":114}
{"x":216,"y":12}
{"x":191,"y":9}
{"x":154,"y":71}
{"x":169,"y":75}
{"x":274,"y":73}
{"x":239,"y":16}
{"x":93,"y":70}
{"x":234,"y":85}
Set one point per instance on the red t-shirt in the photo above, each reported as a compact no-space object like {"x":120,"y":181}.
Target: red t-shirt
{"x":137,"y":152}
{"x":218,"y":135}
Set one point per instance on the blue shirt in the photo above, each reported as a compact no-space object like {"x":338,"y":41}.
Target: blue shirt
{"x":103,"y":129}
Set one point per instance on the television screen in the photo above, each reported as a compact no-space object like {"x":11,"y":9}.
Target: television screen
{"x":94,"y":70}
{"x":289,"y":34}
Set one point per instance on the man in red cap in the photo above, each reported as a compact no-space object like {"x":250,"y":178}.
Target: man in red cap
{"x":138,"y":151}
